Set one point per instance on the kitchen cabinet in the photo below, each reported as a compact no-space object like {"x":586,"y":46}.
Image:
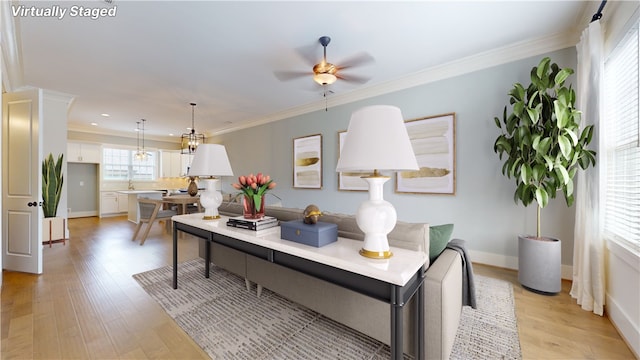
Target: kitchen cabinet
{"x":185,"y":163}
{"x":84,"y":152}
{"x":171,"y":164}
{"x":108,"y":203}
{"x":123,"y":202}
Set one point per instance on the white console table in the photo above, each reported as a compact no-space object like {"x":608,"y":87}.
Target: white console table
{"x":394,"y":281}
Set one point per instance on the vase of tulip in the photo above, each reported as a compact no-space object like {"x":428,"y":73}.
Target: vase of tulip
{"x":254,"y":188}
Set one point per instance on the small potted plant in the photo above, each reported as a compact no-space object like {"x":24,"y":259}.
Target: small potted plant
{"x":254,"y":188}
{"x":54,"y":228}
{"x":543,"y":147}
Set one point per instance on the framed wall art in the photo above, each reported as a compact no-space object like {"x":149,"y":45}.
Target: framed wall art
{"x":350,"y":181}
{"x":307,"y":162}
{"x":433,"y":142}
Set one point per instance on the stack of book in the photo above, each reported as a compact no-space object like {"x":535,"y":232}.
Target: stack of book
{"x":251,"y":224}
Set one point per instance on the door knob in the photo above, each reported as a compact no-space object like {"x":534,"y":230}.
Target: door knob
{"x":35,"y":203}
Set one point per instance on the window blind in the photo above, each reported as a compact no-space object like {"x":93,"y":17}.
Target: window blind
{"x":622,"y":145}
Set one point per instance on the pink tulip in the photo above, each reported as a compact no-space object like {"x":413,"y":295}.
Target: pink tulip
{"x":254,"y":186}
{"x":243,"y":180}
{"x":267,"y":178}
{"x":236,"y":186}
{"x":272,"y":185}
{"x":259,"y":177}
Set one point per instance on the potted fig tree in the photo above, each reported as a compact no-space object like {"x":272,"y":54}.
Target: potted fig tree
{"x":54,"y":227}
{"x":542,"y":147}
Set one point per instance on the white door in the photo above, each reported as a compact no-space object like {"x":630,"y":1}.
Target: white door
{"x":21,"y":189}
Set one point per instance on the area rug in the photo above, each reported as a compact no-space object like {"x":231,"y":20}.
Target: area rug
{"x":229,"y":322}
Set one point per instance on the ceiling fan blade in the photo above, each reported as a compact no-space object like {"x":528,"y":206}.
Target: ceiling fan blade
{"x":291,"y":75}
{"x":309,"y":54}
{"x":356,"y":60}
{"x":353,"y":78}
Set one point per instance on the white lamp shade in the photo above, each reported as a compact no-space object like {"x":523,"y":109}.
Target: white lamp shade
{"x":210,"y":160}
{"x":377,"y":139}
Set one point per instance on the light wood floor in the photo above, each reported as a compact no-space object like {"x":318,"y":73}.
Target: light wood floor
{"x":86,"y":305}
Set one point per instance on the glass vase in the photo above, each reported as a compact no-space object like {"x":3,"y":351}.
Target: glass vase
{"x":250,"y":211}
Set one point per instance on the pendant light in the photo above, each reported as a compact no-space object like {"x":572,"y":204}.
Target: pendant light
{"x":141,"y":155}
{"x":191,"y":140}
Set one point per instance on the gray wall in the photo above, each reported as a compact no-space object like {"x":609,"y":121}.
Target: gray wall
{"x":482,"y":209}
{"x":82,"y":185}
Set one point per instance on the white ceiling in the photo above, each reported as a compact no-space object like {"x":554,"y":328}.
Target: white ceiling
{"x":155,"y":57}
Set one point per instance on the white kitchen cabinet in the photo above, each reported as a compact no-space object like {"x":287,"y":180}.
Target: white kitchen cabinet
{"x":113,"y":203}
{"x":84,"y":152}
{"x":123,"y":202}
{"x":171,"y":164}
{"x":185,"y":163}
{"x":108,"y":203}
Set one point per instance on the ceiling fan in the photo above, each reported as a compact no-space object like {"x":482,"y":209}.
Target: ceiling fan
{"x":326,"y":73}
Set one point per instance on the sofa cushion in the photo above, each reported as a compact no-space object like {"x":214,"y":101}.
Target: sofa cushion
{"x":439,"y":236}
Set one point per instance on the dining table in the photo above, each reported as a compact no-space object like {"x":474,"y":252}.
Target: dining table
{"x":183,"y":201}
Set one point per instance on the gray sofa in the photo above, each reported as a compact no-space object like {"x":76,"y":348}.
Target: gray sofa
{"x":442,"y":287}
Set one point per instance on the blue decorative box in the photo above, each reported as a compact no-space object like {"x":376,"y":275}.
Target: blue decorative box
{"x":319,"y":234}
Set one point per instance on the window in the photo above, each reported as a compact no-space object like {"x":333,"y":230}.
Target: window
{"x":622,"y":193}
{"x":121,"y":164}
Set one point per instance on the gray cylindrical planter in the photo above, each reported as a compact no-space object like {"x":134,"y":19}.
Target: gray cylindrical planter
{"x":539,"y":264}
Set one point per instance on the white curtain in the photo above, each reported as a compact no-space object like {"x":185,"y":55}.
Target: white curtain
{"x":588,"y":244}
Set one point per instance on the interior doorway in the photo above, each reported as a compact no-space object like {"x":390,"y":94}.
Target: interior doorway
{"x":82,"y":190}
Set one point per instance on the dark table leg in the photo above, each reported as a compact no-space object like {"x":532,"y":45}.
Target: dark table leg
{"x":175,"y":256}
{"x":207,"y":257}
{"x":396,"y":331}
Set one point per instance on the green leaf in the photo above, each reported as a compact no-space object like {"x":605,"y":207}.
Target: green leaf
{"x":525,"y":173}
{"x":534,"y":115}
{"x":587,"y":134}
{"x":497,"y":121}
{"x":562,"y":76}
{"x":565,"y":146}
{"x":561,"y":114}
{"x":568,"y":190}
{"x":543,"y":147}
{"x":549,"y":161}
{"x":517,"y":92}
{"x":563,"y":174}
{"x":518,"y":108}
{"x":572,"y":135}
{"x":537,"y":172}
{"x":514,"y":168}
{"x":542,"y":197}
{"x":543,"y":67}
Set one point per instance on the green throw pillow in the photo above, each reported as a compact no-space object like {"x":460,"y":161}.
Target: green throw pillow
{"x":439,"y":236}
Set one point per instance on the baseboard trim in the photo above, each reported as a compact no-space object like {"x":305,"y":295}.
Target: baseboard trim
{"x":78,"y":214}
{"x":620,"y":320}
{"x":510,"y":262}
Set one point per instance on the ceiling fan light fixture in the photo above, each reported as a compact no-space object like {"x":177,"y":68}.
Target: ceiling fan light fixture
{"x":324,"y":78}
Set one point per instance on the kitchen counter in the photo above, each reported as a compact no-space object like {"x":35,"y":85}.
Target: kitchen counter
{"x":132,"y":205}
{"x":135,"y":192}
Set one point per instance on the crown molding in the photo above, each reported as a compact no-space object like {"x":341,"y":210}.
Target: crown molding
{"x":12,"y":69}
{"x":517,"y":51}
{"x":122,"y":134}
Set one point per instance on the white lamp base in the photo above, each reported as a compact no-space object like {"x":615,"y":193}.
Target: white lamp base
{"x":376,"y":218}
{"x":210,"y":199}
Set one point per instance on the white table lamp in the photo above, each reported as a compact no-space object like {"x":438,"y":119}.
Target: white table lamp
{"x":376,"y":140}
{"x":210,"y":162}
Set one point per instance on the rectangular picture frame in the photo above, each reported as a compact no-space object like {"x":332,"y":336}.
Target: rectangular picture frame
{"x":307,"y":162}
{"x":433,"y":139}
{"x":350,"y":181}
